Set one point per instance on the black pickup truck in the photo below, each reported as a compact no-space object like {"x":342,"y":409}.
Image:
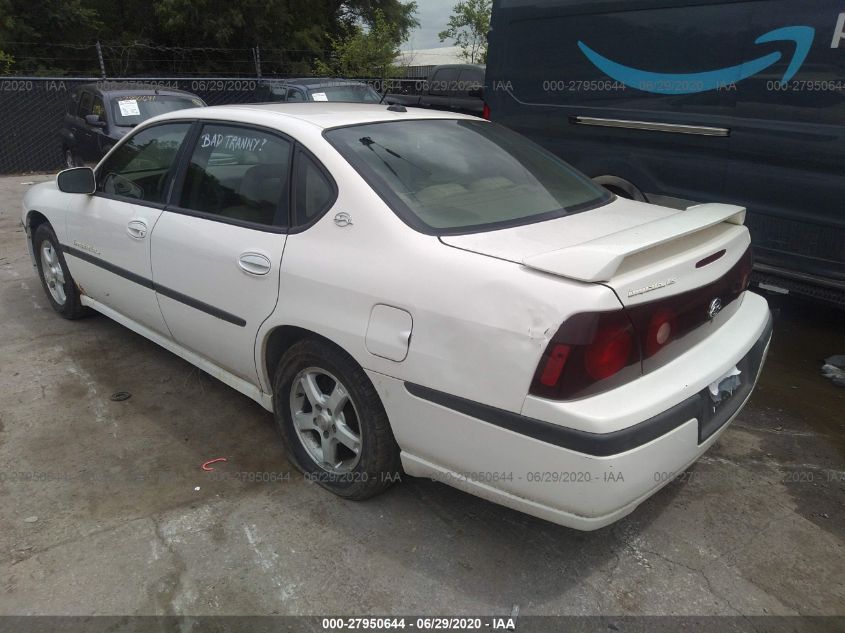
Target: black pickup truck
{"x":456,"y":87}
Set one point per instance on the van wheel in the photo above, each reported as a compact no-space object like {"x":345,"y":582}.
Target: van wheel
{"x":55,"y":276}
{"x":619,"y":192}
{"x":333,"y":423}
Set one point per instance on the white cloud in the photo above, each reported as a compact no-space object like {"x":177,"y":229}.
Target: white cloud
{"x":433,"y":16}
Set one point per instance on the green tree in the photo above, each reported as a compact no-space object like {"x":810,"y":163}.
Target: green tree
{"x":6,"y":62}
{"x":467,"y":27}
{"x":187,"y":36}
{"x":31,"y":31}
{"x":368,"y":52}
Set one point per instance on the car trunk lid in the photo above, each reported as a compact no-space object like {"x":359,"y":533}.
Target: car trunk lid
{"x":641,"y":251}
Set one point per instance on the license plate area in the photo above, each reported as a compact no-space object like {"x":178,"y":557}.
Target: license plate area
{"x":722,"y":389}
{"x":722,"y":398}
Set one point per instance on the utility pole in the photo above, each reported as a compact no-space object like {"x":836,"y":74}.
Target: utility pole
{"x":100,"y":59}
{"x":256,"y":55}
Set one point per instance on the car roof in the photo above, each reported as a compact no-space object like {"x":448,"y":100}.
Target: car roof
{"x":116,"y":89}
{"x":314,"y":82}
{"x":321,"y":114}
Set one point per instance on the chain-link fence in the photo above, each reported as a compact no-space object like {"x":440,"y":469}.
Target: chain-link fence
{"x":32,"y":110}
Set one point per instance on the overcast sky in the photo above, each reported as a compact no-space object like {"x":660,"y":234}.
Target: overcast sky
{"x":433,"y":16}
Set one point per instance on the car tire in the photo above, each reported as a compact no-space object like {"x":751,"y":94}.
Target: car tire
{"x":312,"y":427}
{"x":55,"y":277}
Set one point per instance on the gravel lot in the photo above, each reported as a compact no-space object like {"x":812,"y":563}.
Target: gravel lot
{"x":119,"y":518}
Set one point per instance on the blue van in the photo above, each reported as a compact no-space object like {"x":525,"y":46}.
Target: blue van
{"x":685,"y":101}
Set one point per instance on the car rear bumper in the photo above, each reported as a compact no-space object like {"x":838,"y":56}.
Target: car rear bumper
{"x":578,"y":477}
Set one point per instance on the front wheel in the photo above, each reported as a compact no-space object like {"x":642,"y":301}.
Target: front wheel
{"x":333,"y":423}
{"x":55,"y":276}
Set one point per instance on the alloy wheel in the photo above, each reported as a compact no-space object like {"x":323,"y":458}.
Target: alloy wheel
{"x":326,"y":420}
{"x":54,"y":276}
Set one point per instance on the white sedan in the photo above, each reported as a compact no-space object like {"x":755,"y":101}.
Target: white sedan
{"x":418,"y":291}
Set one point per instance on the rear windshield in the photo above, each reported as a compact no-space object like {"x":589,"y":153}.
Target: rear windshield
{"x":460,"y":176}
{"x":356,"y":93}
{"x":130,"y":110}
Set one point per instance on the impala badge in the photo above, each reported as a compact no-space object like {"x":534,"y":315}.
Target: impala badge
{"x":656,"y":285}
{"x":714,"y":308}
{"x":343,"y":219}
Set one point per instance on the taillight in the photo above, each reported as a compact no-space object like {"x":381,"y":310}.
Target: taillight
{"x":596,"y":351}
{"x":485,"y":112}
{"x":661,"y":330}
{"x":609,"y":351}
{"x":554,"y":365}
{"x":742,"y":272}
{"x":588,"y":348}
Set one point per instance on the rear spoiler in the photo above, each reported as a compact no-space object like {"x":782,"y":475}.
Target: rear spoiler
{"x":599,"y":259}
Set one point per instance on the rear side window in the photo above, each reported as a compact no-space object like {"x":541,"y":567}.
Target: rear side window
{"x":239,"y":174}
{"x":463,"y":176}
{"x":140,"y":167}
{"x":313,"y":191}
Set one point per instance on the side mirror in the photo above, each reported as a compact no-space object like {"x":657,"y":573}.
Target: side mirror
{"x":477,"y":93}
{"x":94,"y":120}
{"x":77,"y":180}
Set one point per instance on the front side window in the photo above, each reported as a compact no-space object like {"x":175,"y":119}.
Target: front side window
{"x":130,"y":110}
{"x":140,"y":167}
{"x":239,"y":174}
{"x":461,"y":176}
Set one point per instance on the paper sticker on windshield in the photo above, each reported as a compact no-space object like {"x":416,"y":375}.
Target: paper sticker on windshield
{"x":129,"y":107}
{"x":319,"y":96}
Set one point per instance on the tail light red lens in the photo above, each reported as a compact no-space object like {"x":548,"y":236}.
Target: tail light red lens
{"x":609,"y":352}
{"x":485,"y":112}
{"x":589,"y":348}
{"x":554,"y":365}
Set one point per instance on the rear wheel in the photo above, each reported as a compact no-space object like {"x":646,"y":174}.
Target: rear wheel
{"x":334,"y":426}
{"x":55,"y":276}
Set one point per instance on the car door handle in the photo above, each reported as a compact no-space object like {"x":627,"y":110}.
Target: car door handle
{"x":255,"y":263}
{"x":137,"y":229}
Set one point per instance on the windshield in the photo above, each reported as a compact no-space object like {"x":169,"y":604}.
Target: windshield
{"x":356,"y":93}
{"x":130,"y":110}
{"x":460,"y":176}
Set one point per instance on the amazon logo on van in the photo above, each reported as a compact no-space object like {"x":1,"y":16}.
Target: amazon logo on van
{"x":689,"y":83}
